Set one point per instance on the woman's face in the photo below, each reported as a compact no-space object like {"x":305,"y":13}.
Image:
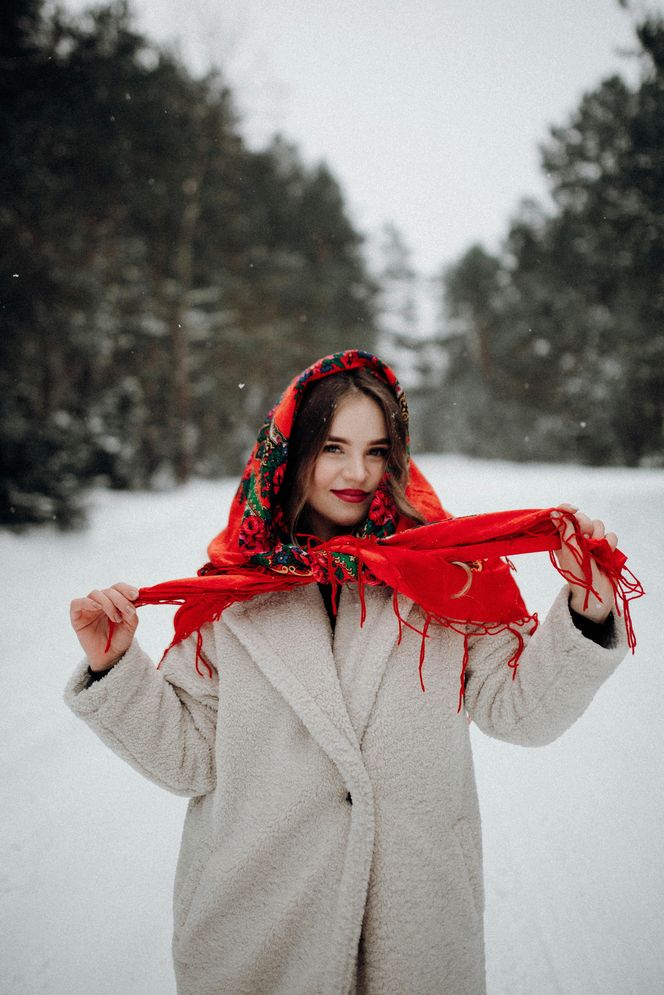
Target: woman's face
{"x":349,"y":467}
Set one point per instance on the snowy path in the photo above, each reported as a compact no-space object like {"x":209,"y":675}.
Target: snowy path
{"x":574,"y":851}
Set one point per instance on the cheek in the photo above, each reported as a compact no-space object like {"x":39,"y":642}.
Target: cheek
{"x":377,"y":473}
{"x":322,"y":474}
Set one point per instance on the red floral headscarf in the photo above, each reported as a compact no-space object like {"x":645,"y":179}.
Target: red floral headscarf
{"x":256,"y":533}
{"x":452,"y":568}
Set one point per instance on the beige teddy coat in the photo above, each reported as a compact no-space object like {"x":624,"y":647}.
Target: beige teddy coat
{"x":332,"y":843}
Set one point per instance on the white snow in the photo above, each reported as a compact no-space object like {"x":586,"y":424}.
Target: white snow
{"x":574,"y":858}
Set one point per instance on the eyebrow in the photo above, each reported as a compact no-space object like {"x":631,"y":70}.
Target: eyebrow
{"x":373,"y":442}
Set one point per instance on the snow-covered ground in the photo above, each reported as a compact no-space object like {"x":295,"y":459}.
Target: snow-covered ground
{"x":574,"y":832}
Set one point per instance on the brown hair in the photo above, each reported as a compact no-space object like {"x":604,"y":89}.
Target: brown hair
{"x":310,"y":429}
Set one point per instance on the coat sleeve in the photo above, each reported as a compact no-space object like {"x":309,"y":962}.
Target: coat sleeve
{"x":161,"y":721}
{"x":558,"y":675}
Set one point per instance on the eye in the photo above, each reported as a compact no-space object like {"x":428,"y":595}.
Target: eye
{"x":331,"y":447}
{"x":379,"y":451}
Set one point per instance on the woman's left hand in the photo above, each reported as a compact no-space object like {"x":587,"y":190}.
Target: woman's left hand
{"x":596,"y":610}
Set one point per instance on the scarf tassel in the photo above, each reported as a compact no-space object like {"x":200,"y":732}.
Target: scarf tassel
{"x":207,"y":606}
{"x":625,"y":586}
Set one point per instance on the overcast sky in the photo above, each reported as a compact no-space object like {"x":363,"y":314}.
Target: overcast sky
{"x":428,"y":112}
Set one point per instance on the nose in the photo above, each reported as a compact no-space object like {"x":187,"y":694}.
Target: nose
{"x":355,"y":469}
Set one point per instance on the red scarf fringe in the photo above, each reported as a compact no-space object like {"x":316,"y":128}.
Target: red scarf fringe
{"x":452,"y":569}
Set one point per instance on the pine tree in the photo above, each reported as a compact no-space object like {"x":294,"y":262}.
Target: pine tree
{"x":160,"y":282}
{"x":563,"y":347}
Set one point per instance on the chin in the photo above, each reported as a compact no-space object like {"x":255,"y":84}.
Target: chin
{"x":329,"y":527}
{"x":337,"y":521}
{"x":349,"y":524}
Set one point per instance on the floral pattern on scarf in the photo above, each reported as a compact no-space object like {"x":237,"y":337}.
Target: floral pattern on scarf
{"x":261,"y":536}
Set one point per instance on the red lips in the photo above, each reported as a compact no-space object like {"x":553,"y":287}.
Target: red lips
{"x":352,"y":496}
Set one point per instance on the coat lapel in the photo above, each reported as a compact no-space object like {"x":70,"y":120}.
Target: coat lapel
{"x":329,"y":680}
{"x":290,"y":638}
{"x":361,"y":652}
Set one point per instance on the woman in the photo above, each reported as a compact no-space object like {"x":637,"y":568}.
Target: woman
{"x":332,"y":843}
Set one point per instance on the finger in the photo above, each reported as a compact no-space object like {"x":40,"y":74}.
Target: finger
{"x":557,"y":515}
{"x":565,"y":523}
{"x":612,"y":540}
{"x":597,"y":529}
{"x":82,"y":606}
{"x":107,"y":606}
{"x":130,"y":592}
{"x":121,"y":603}
{"x":585,"y":523}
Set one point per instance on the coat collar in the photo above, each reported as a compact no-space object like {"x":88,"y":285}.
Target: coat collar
{"x":330,"y":679}
{"x":361,"y":652}
{"x":288,"y":635}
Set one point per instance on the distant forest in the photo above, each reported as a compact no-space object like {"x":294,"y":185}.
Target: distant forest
{"x":160,"y":282}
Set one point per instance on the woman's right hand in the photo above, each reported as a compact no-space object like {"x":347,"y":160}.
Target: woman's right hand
{"x":91,"y":617}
